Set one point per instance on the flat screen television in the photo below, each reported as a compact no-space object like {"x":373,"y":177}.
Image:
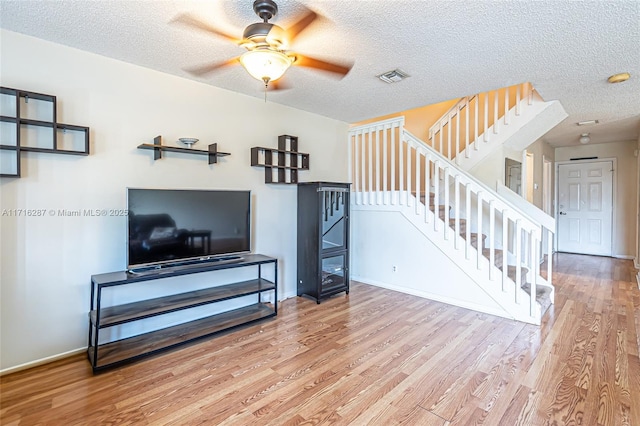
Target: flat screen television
{"x":169,"y":227}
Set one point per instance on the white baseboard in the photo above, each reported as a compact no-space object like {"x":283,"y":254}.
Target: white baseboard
{"x":435,"y":297}
{"x":624,"y":256}
{"x":638,"y":279}
{"x":42,"y":361}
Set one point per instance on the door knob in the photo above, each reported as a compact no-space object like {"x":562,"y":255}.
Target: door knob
{"x":562,"y":213}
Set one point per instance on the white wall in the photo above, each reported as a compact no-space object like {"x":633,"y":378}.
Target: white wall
{"x":492,"y":168}
{"x":637,"y":260}
{"x":47,"y":261}
{"x":624,"y":222}
{"x":384,"y":239}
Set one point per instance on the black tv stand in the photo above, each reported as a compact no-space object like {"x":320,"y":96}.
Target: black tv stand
{"x":104,"y":354}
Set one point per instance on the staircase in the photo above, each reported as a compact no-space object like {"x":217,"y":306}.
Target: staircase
{"x":423,"y":225}
{"x":475,"y":126}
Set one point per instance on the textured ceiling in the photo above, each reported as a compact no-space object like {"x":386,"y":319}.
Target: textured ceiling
{"x":567,"y":49}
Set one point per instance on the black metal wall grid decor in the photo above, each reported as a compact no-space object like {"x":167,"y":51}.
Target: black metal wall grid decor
{"x":29,"y":123}
{"x":281,"y":164}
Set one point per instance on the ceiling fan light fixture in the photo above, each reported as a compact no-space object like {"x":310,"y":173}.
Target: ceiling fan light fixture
{"x":265,"y":64}
{"x":585,"y":138}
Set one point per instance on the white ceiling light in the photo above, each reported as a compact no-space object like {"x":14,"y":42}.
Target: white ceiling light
{"x":619,"y":78}
{"x":584,"y":138}
{"x":587,"y":122}
{"x":265,"y":64}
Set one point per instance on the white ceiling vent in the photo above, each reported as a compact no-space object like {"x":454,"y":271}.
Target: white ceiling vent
{"x":393,"y":76}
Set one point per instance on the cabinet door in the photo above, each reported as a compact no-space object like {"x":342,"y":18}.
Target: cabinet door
{"x":334,"y":204}
{"x":333,"y":274}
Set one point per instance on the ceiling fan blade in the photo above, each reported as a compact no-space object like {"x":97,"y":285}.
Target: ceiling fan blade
{"x":309,"y":62}
{"x":300,"y":25}
{"x":201,"y":70}
{"x":278,"y":85}
{"x":193,"y":22}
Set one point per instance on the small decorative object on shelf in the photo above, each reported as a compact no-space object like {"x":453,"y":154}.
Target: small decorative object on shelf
{"x":31,"y":126}
{"x":188,"y":141}
{"x":157,"y":148}
{"x":277,"y":162}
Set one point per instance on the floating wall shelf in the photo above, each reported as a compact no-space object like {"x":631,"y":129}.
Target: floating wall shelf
{"x":26,"y":133}
{"x":157,"y":148}
{"x":283,"y":162}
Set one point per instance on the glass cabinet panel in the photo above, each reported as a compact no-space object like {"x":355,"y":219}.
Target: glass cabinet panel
{"x":333,"y":272}
{"x":333,"y":218}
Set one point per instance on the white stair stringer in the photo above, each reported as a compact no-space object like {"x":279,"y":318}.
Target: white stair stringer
{"x":433,"y":268}
{"x":522,"y":130}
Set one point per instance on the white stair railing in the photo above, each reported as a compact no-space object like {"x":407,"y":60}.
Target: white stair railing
{"x":473,"y":119}
{"x":391,"y":167}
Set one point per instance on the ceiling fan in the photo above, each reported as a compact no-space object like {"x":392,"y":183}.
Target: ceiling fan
{"x":267,"y":57}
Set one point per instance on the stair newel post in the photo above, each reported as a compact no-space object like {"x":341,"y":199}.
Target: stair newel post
{"x":353,"y":163}
{"x":535,"y":264}
{"x":441,"y":142}
{"x":466,"y":127}
{"x":549,"y":256}
{"x":447,"y":215}
{"x":476,"y":121}
{"x":496,"y":104}
{"x":467,"y":218}
{"x":408,"y":174}
{"x":401,"y":160}
{"x":449,"y":151}
{"x":491,"y":237}
{"x":392,"y":163}
{"x":378,"y":131}
{"x":506,"y":105}
{"x":518,"y":257}
{"x":486,"y":117}
{"x":436,"y":195}
{"x":457,"y":152}
{"x":456,"y":211}
{"x":427,"y":188}
{"x":362,"y":166}
{"x":505,"y":246}
{"x":418,"y":167}
{"x":370,"y":168}
{"x":479,"y":226}
{"x":385,"y":181}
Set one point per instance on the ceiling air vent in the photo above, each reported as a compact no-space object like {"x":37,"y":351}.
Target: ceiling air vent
{"x":393,"y":76}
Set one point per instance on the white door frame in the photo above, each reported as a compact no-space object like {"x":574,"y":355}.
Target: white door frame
{"x":613,"y":189}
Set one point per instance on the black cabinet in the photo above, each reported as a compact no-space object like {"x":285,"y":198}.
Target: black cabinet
{"x":112,"y":352}
{"x":323,"y":239}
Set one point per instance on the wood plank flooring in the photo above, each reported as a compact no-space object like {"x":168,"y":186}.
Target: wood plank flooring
{"x":374,"y":357}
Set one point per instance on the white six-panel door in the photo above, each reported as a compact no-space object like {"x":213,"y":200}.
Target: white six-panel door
{"x":585,"y":207}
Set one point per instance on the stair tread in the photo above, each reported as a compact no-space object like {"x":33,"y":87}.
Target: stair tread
{"x":543,"y":294}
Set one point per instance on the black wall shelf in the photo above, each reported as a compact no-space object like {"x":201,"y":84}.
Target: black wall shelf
{"x":157,"y":147}
{"x":284,"y":160}
{"x":21,"y":124}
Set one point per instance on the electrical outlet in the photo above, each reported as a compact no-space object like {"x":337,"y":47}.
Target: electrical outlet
{"x":394,"y":268}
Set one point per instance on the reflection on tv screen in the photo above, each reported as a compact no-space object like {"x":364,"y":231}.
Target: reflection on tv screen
{"x":171,"y":225}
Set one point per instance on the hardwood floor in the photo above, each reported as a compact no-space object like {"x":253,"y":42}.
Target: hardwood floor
{"x":374,"y":357}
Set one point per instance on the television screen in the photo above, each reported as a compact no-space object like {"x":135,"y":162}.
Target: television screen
{"x":167,"y":225}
